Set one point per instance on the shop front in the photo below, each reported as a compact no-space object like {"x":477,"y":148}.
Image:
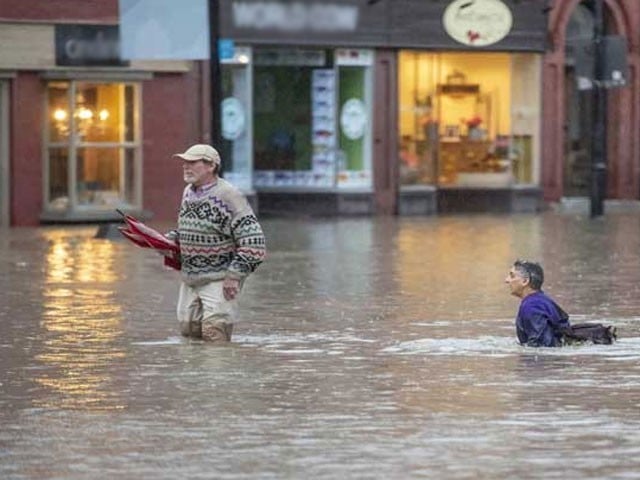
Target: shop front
{"x":91,"y":130}
{"x":469,"y":121}
{"x":297,"y":104}
{"x":89,"y":133}
{"x":470,"y":109}
{"x":466,"y":110}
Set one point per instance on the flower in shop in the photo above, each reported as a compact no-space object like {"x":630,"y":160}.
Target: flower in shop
{"x":473,"y":122}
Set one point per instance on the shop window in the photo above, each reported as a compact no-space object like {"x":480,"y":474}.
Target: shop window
{"x":93,"y":146}
{"x":468,"y":119}
{"x":354,"y":160}
{"x":311,"y":118}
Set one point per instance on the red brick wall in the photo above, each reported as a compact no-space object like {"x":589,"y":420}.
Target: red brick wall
{"x":170,"y":113}
{"x":170,"y":125}
{"x":62,"y":11}
{"x":25,"y":157}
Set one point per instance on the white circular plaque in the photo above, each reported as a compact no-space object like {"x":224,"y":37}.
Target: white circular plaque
{"x":353,"y":118}
{"x":234,"y":119}
{"x":477,"y":22}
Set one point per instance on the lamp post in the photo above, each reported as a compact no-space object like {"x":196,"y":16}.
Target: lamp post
{"x":598,"y":139}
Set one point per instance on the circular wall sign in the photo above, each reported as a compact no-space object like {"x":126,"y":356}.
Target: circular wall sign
{"x":233,"y":118}
{"x":477,"y":22}
{"x":353,"y":119}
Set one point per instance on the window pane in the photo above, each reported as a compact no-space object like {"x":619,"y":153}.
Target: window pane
{"x":58,"y":178}
{"x":58,"y":114}
{"x":282,"y":141}
{"x":282,"y":105}
{"x":417,"y":118}
{"x":294,"y":94}
{"x":456,"y":113}
{"x":129,"y":177}
{"x":100,"y":111}
{"x":99,"y":176}
{"x":524,"y":146}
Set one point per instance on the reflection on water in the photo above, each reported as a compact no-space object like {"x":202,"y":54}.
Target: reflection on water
{"x":368,"y":348}
{"x":81,"y":323}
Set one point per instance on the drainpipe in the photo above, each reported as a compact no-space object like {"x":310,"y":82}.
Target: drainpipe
{"x":215,"y":75}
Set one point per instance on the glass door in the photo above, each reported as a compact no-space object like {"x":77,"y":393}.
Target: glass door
{"x":237,"y":128}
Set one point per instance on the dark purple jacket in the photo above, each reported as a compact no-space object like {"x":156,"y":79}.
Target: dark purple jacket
{"x":540,"y":321}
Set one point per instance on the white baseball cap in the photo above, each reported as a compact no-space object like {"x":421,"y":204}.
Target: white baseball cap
{"x":200,"y":151}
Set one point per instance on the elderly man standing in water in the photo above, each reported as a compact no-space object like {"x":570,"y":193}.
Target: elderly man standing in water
{"x":540,"y":321}
{"x":221,"y":244}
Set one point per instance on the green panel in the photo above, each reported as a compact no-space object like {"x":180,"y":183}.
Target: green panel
{"x":352,"y":86}
{"x":282,"y":118}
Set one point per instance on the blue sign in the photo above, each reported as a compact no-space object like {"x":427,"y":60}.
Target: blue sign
{"x":164,"y":30}
{"x":226,"y":49}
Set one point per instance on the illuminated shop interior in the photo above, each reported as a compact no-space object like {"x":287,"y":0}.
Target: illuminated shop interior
{"x":92,"y":143}
{"x":468,"y":119}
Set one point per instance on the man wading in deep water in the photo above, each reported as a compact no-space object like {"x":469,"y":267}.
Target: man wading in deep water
{"x":540,"y":321}
{"x":221,"y":244}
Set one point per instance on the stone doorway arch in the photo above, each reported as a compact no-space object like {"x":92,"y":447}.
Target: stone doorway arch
{"x":623,"y":111}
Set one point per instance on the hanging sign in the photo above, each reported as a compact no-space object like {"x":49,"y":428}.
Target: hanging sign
{"x":477,"y":23}
{"x":164,"y":29}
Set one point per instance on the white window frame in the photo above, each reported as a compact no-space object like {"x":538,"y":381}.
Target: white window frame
{"x":73,"y":144}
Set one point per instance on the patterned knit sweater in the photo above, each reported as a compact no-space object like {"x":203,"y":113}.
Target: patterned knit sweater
{"x":219,"y":234}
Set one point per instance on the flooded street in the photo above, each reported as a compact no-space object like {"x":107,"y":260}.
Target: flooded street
{"x":368,"y":349}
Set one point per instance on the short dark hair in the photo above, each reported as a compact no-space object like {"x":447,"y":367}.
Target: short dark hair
{"x":531,"y":271}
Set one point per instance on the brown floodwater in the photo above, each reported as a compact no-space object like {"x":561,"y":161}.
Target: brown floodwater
{"x":366,"y":348}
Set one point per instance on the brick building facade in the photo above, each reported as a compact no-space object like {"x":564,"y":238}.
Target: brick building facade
{"x":78,"y":140}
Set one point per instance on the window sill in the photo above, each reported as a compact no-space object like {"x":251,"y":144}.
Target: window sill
{"x":90,"y":216}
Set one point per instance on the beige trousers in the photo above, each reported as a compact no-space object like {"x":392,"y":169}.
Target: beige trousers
{"x":204,"y":313}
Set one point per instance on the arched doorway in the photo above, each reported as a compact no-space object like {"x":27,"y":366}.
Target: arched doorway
{"x":568,"y":111}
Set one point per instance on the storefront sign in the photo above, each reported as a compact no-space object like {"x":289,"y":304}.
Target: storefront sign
{"x":354,"y":57}
{"x":234,"y":119}
{"x":88,"y":45}
{"x":226,"y":49}
{"x":294,"y":17}
{"x":494,"y":25}
{"x":477,"y":23}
